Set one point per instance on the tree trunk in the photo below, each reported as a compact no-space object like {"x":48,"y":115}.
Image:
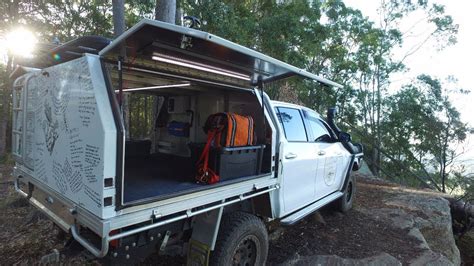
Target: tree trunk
{"x":444,"y":151}
{"x":165,"y":10}
{"x":118,"y":10}
{"x":6,"y":95}
{"x":4,"y":117}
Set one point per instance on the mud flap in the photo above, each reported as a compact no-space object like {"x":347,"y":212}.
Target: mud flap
{"x":203,"y":239}
{"x":198,"y":254}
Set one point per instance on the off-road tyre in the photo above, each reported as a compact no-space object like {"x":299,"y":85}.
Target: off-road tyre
{"x":344,"y":203}
{"x":242,"y":240}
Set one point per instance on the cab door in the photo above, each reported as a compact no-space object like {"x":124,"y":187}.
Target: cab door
{"x":329,"y":156}
{"x":298,"y":160}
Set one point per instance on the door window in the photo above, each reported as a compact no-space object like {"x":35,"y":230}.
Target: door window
{"x":292,"y":124}
{"x":319,"y":131}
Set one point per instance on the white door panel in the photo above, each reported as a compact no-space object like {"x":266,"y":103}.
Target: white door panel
{"x":328,"y":172}
{"x":299,"y":166}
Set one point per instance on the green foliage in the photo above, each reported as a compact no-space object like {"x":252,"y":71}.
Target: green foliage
{"x":423,"y":129}
{"x":140,"y":115}
{"x":135,"y":10}
{"x":6,"y":159}
{"x":69,"y":19}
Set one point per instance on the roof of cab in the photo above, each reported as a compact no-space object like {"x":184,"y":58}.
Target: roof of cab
{"x":204,"y":49}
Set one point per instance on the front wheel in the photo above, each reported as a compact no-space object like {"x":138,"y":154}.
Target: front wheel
{"x":242,"y":240}
{"x":344,"y":203}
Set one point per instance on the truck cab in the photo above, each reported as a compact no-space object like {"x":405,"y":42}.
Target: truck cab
{"x":315,"y":162}
{"x":110,"y":139}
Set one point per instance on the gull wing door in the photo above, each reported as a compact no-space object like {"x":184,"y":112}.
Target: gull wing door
{"x":170,"y":49}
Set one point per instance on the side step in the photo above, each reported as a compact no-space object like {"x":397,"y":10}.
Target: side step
{"x":300,"y":214}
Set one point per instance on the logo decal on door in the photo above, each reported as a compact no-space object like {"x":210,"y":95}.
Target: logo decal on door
{"x":330,"y":171}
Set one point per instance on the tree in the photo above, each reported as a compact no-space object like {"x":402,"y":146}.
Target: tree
{"x":67,"y":20}
{"x":10,"y":17}
{"x":374,"y":78}
{"x":165,"y":10}
{"x":288,"y":30}
{"x":423,"y":130}
{"x":118,"y":8}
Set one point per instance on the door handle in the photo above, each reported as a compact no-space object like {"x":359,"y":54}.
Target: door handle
{"x":290,"y":155}
{"x":321,"y":153}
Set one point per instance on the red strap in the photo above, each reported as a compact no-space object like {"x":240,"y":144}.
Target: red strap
{"x":204,"y":173}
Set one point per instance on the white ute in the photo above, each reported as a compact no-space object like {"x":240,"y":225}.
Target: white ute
{"x":123,"y":183}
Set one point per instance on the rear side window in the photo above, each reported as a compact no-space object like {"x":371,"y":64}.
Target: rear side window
{"x":292,"y":123}
{"x":319,"y":131}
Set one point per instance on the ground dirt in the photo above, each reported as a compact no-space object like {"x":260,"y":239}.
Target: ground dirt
{"x":350,"y":235}
{"x":26,"y":235}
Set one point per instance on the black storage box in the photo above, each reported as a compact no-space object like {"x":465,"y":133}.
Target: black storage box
{"x":236,"y":161}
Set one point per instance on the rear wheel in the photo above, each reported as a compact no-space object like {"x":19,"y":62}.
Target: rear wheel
{"x":344,"y":203}
{"x":242,"y":240}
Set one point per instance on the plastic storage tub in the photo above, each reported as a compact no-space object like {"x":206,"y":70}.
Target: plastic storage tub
{"x":237,"y":161}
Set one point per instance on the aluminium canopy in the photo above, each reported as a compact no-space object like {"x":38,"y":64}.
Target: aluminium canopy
{"x":158,"y":46}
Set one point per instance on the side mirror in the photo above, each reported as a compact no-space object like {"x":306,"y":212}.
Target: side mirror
{"x":345,"y":137}
{"x":323,"y":138}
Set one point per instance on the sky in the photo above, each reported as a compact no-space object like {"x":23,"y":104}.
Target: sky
{"x":455,"y":60}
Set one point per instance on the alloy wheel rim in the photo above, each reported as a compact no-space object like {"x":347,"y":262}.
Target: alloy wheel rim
{"x":246,"y":252}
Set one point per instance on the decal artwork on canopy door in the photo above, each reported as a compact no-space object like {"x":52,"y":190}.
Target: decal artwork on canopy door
{"x":67,"y":153}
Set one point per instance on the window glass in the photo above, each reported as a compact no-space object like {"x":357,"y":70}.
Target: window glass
{"x":320,"y":132}
{"x":292,"y":124}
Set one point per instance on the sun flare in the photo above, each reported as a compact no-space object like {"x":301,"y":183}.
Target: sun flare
{"x":20,"y":42}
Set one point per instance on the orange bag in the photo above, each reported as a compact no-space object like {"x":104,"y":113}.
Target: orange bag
{"x":224,"y":130}
{"x":233,"y":130}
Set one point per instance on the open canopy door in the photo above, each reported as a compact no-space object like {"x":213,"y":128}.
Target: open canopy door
{"x":172,"y":50}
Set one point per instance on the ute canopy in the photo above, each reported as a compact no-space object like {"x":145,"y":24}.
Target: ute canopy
{"x":169,"y":49}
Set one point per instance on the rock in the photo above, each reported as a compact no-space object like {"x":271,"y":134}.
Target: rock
{"x":415,"y":232}
{"x":381,"y":259}
{"x":418,"y":222}
{"x":364,"y":170}
{"x":53,"y":257}
{"x":466,"y":244}
{"x":431,"y":258}
{"x":432,"y":217}
{"x":428,"y":219}
{"x":275,"y":234}
{"x":318,"y":218}
{"x":34,"y":217}
{"x":19,"y":203}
